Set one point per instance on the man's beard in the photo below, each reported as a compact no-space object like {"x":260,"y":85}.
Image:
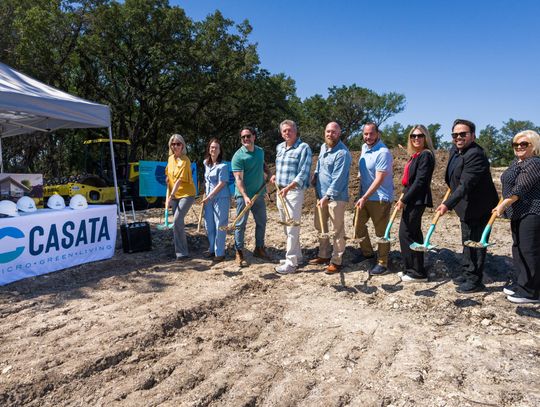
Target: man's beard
{"x":331,"y":143}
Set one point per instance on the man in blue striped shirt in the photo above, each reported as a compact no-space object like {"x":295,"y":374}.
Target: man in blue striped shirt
{"x":331,"y":181}
{"x":293,"y":162}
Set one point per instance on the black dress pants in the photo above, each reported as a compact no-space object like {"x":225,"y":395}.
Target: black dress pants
{"x":473,"y":259}
{"x":410,"y":231}
{"x":526,"y":254}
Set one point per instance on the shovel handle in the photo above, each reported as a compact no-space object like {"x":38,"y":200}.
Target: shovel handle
{"x":393,"y":217}
{"x":200,"y":215}
{"x":438,"y":214}
{"x":356,"y":216}
{"x":323,"y":225}
{"x":282,"y":200}
{"x":391,"y":220}
{"x":166,"y":215}
{"x":494,"y":215}
{"x":247,"y":207}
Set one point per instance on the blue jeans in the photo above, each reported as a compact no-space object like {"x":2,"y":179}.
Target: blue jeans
{"x":216,"y":215}
{"x":259,"y":214}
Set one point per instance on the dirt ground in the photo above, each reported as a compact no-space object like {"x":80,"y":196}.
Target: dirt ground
{"x":145,"y":330}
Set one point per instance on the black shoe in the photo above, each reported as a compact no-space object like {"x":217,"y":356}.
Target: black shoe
{"x":378,"y":270}
{"x":469,"y":287}
{"x":459,"y":280}
{"x":361,"y":258}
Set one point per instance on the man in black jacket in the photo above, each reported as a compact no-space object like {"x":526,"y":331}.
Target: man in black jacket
{"x":473,"y":197}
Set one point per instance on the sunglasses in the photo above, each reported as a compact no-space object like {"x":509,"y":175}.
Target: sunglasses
{"x":523,"y":144}
{"x":412,"y":136}
{"x":245,"y":136}
{"x":176,"y":144}
{"x":463,"y":134}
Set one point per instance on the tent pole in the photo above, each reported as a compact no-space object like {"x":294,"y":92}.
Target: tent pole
{"x":114,"y":171}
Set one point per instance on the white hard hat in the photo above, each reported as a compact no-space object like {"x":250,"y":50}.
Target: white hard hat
{"x":26,"y":204}
{"x":56,"y":202}
{"x":78,"y":201}
{"x":8,"y":208}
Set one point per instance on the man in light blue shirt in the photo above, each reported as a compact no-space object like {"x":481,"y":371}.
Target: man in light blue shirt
{"x":376,"y":195}
{"x":331,"y":181}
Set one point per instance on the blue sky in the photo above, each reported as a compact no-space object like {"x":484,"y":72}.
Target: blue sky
{"x":478,"y":60}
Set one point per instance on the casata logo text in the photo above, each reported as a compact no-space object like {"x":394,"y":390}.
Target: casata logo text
{"x":90,"y":230}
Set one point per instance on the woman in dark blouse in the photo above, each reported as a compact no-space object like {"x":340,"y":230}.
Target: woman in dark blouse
{"x":416,"y":196}
{"x":521,"y":204}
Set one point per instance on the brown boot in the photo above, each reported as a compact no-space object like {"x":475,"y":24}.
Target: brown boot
{"x":319,"y":260}
{"x":261,"y":253}
{"x":240,"y":259}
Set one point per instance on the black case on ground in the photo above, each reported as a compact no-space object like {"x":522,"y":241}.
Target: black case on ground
{"x":136,"y":236}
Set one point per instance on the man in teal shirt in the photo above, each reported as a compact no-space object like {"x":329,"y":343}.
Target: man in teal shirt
{"x":250,"y":174}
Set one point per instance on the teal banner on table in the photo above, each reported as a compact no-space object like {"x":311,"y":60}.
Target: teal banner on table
{"x":152,"y":178}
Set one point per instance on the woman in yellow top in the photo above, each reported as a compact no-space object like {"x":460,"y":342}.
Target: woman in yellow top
{"x":181,"y":191}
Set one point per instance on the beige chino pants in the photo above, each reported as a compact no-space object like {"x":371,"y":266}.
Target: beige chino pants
{"x":335,"y":212}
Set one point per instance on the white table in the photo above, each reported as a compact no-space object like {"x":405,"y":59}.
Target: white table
{"x":50,"y":240}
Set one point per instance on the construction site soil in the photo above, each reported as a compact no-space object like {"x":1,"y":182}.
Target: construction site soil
{"x":146,"y":330}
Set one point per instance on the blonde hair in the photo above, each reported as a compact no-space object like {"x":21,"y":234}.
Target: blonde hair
{"x":532,"y":136}
{"x":180,"y":139}
{"x":428,"y":144}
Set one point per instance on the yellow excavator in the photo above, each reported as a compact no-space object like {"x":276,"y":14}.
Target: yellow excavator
{"x":96,"y":184}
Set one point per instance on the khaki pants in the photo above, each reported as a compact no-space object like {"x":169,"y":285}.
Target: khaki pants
{"x":335,"y":211}
{"x":379,"y":213}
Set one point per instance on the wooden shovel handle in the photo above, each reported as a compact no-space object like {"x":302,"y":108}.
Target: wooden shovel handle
{"x":356,"y":216}
{"x":201,"y":214}
{"x":393,"y":217}
{"x":323,"y":224}
{"x":247,"y":207}
{"x":278,"y":192}
{"x":438,"y":214}
{"x":494,"y":215}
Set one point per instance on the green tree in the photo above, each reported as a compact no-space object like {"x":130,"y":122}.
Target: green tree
{"x":490,"y":139}
{"x":351,"y":106}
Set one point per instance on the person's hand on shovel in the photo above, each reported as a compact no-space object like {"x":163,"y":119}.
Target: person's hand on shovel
{"x":206,"y":199}
{"x":323,"y":201}
{"x":400,"y":205}
{"x":442,"y":209}
{"x":504,"y":204}
{"x":247,"y":200}
{"x":499,"y":209}
{"x":361,"y":202}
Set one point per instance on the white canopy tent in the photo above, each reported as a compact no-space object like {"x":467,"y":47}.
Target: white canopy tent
{"x":27,"y":105}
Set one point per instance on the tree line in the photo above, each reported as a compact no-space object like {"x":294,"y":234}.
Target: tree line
{"x":162,"y":72}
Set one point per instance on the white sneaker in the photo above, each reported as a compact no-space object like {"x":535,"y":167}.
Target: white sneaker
{"x":285,"y":269}
{"x":522,"y":300}
{"x":300,"y":261}
{"x":400,"y":274}
{"x":409,"y":279}
{"x":508,"y":291}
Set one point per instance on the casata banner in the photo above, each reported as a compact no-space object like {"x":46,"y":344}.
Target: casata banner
{"x":50,"y":240}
